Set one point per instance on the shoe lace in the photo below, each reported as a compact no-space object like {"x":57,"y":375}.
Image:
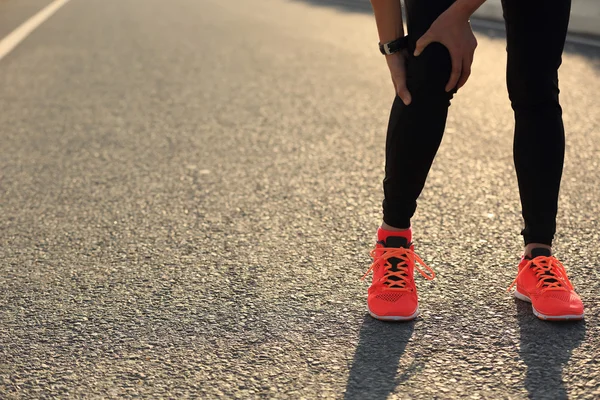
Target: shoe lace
{"x":550,"y":272}
{"x":381,"y":255}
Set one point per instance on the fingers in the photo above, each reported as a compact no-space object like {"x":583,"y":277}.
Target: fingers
{"x":401,"y":89}
{"x":466,"y":71}
{"x":397,"y":65}
{"x":400,"y":85}
{"x":422,"y":43}
{"x":403,"y":93}
{"x":456,"y":71}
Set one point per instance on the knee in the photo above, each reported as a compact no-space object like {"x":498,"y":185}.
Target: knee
{"x":428,"y":74}
{"x":530,"y":89}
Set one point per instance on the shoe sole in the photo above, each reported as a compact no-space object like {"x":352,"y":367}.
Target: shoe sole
{"x":572,"y":317}
{"x":393,"y":317}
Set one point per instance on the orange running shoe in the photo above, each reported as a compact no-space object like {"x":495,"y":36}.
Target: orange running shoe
{"x":543,"y":282}
{"x":393,"y":293}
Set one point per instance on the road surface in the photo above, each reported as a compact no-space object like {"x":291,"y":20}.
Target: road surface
{"x":189,"y":191}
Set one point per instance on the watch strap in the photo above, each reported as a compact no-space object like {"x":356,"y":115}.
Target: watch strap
{"x":394,"y":46}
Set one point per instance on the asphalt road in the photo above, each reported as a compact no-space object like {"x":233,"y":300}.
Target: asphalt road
{"x":189,"y":191}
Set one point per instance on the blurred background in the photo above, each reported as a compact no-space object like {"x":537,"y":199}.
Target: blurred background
{"x":585,"y":15}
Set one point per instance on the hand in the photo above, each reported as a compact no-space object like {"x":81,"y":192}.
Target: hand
{"x":453,"y":30}
{"x":397,"y":64}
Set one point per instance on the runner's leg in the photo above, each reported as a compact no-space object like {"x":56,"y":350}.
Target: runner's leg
{"x":536,"y":32}
{"x":415,"y":131}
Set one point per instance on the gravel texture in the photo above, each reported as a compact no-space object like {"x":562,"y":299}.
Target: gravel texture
{"x":189,"y":191}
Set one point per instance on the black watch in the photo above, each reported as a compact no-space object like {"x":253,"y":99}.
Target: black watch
{"x":394,"y":46}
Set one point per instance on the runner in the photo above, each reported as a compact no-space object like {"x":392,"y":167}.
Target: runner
{"x":428,"y":66}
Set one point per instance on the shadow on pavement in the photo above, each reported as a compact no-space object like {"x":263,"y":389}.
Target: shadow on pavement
{"x":375,"y":364}
{"x":545,"y":348}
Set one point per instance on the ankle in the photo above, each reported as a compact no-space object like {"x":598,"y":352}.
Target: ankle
{"x":392,"y":228}
{"x":531,"y":246}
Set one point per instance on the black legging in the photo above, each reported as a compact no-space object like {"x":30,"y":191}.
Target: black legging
{"x":536,"y":31}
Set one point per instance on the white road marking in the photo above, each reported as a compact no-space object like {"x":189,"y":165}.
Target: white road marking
{"x":18,"y":35}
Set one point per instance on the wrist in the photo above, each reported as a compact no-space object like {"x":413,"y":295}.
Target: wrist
{"x":391,"y":36}
{"x":398,"y":54}
{"x":465,"y":8}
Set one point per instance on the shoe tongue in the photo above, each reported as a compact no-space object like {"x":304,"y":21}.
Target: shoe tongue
{"x":396,"y":241}
{"x":540,"y":252}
